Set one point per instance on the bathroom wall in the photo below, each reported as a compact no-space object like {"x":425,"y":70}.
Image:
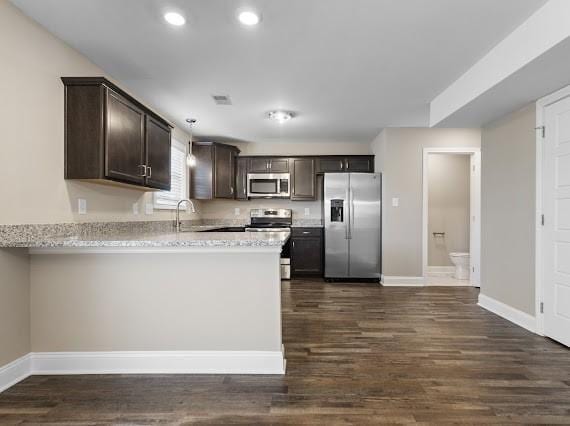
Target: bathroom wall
{"x":448,"y":206}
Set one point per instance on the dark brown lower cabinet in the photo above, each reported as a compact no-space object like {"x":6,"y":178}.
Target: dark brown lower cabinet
{"x":306,"y":252}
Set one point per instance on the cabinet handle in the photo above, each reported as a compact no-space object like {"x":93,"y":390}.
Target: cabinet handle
{"x":149,"y":172}
{"x":306,"y":232}
{"x":144,"y":167}
{"x":341,"y":164}
{"x":231,"y":189}
{"x":347,"y":165}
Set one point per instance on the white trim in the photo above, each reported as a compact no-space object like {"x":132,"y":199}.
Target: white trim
{"x":507,"y":312}
{"x":15,"y":372}
{"x":159,"y":362}
{"x":403,"y":281}
{"x":142,"y":362}
{"x":539,"y":243}
{"x":154,"y":250}
{"x":475,"y":214}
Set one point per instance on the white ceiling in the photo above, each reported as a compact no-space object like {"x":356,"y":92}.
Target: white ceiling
{"x":347,"y":68}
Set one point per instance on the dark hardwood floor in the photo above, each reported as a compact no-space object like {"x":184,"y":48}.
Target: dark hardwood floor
{"x":356,"y":353}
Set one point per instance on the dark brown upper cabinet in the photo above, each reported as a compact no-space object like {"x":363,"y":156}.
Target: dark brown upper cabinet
{"x":241,"y":178}
{"x":268,"y":165}
{"x":157,"y":154}
{"x":303,"y":185}
{"x":110,"y":136}
{"x":214,"y":174}
{"x":346,"y":164}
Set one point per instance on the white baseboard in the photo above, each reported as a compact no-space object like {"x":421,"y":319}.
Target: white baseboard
{"x":159,"y":362}
{"x":515,"y":316}
{"x":403,"y":281}
{"x":439,"y":271}
{"x":14,"y":372}
{"x":148,"y":362}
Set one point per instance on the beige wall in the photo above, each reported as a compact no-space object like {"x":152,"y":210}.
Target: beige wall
{"x":205,"y":299}
{"x":448,"y":206}
{"x":31,"y":122}
{"x":508,"y":209}
{"x":399,"y":157}
{"x":300,"y":148}
{"x":14,"y":304}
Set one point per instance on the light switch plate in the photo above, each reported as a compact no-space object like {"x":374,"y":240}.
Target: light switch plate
{"x":135,"y":208}
{"x":237,"y":211}
{"x":149,"y":208}
{"x":82,"y":206}
{"x":307,"y":211}
{"x":395,"y":202}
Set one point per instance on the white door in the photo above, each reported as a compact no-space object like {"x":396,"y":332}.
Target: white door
{"x":556,"y":231}
{"x":475,"y":220}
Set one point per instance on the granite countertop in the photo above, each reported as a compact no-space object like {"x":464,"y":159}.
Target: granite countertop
{"x":155,"y":239}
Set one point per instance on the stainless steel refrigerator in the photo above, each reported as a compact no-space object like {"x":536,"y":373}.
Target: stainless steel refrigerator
{"x":353,"y":225}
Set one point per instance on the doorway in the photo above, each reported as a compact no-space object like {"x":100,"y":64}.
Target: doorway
{"x":451,"y":216}
{"x":553,"y":216}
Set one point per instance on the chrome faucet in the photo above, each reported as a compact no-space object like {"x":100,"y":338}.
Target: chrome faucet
{"x":178,"y":222}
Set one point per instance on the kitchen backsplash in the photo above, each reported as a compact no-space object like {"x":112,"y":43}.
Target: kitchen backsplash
{"x":232,"y":209}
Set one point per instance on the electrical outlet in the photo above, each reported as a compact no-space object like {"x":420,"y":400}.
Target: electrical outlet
{"x":307,"y":211}
{"x":237,"y":211}
{"x":395,"y":202}
{"x":135,"y":208}
{"x":82,"y":206}
{"x":149,"y":208}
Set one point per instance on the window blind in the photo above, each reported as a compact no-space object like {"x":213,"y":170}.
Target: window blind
{"x":178,"y":178}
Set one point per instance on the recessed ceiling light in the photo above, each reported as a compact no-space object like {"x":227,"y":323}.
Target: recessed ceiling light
{"x":280,"y":116}
{"x":174,"y":18}
{"x":249,"y":17}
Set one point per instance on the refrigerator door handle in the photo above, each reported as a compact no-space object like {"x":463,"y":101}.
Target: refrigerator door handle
{"x":347,"y":219}
{"x":351,"y":210}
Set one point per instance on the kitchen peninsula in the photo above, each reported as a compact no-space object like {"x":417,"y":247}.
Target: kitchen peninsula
{"x":154,"y":302}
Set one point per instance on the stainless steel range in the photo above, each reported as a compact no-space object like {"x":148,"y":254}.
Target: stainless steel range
{"x":274,"y":220}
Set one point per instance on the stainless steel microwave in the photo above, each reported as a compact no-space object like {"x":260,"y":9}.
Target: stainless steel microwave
{"x":268,"y":185}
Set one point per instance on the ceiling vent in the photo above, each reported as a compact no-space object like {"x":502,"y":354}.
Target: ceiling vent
{"x":222,"y":99}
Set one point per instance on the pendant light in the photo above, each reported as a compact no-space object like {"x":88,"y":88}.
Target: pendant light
{"x":190,"y":158}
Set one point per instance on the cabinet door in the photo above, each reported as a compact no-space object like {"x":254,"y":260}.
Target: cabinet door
{"x":278,"y":165}
{"x":241,"y":178}
{"x":124,"y":140}
{"x":202,"y":174}
{"x":259,"y":165}
{"x":224,"y":179}
{"x":331,"y":165}
{"x":359,"y":164}
{"x":306,"y":256}
{"x":157,"y":154}
{"x":303,"y":185}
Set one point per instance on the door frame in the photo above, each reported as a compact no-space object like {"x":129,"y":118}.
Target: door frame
{"x":541,"y":104}
{"x":475,"y":209}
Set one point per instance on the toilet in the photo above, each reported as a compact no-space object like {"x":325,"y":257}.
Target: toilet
{"x":461,"y":262}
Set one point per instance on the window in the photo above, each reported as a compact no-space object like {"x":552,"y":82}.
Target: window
{"x":178,"y":179}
